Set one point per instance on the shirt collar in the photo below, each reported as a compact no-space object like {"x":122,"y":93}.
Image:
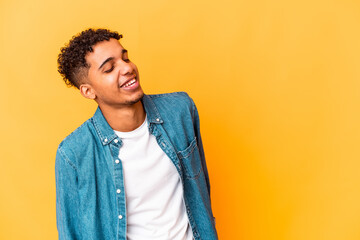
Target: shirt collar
{"x":107,"y":134}
{"x":151,"y":110}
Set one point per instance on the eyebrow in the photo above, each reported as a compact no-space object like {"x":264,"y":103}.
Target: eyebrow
{"x":111,"y":58}
{"x":107,"y":60}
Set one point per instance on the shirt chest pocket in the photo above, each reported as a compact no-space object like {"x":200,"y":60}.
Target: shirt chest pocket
{"x":190,"y":160}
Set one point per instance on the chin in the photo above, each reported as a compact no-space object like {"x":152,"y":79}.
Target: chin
{"x":136,"y":99}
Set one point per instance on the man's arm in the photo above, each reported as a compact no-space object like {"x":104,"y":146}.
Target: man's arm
{"x":66,"y":197}
{"x":200,"y":145}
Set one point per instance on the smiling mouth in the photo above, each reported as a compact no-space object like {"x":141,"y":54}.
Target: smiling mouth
{"x":129,"y":83}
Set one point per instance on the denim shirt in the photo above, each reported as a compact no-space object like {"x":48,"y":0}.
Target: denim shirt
{"x":90,"y":194}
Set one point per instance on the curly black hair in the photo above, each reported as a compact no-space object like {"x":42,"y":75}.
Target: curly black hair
{"x":71,"y":60}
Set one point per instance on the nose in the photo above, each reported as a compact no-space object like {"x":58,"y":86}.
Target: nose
{"x":125,"y":67}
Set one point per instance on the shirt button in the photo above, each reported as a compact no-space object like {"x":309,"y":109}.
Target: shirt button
{"x":117,"y":161}
{"x":158,"y":120}
{"x":116,"y":141}
{"x":163,"y":144}
{"x":105,"y":140}
{"x":118,"y":191}
{"x":120,"y":216}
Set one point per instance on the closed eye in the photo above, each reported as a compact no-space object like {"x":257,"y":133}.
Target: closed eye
{"x":109,"y":70}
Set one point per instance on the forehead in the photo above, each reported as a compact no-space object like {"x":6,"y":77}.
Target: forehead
{"x":103,"y":50}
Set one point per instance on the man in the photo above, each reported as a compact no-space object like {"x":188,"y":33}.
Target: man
{"x":136,"y":169}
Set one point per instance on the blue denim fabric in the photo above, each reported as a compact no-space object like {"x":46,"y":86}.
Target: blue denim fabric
{"x":89,"y":172}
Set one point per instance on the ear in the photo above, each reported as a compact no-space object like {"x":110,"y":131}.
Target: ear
{"x":87,"y":91}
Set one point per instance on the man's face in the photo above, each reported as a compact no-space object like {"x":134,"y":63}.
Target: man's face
{"x":112,"y":77}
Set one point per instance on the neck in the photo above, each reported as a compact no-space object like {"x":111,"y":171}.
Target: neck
{"x":124,"y":119}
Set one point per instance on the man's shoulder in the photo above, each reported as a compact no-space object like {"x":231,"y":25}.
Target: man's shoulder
{"x":177,"y":99}
{"x":174,"y":106}
{"x":170,"y":95}
{"x":78,"y":137}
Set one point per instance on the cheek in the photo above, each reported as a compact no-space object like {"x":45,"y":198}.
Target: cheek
{"x":105,"y":86}
{"x":110,"y":79}
{"x":101,"y":81}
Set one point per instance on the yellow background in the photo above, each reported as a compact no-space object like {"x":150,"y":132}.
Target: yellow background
{"x":276,"y":84}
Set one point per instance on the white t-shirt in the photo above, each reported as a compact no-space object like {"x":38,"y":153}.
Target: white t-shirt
{"x":153,"y":189}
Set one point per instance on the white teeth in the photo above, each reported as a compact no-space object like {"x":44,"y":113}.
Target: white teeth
{"x":130,"y":83}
